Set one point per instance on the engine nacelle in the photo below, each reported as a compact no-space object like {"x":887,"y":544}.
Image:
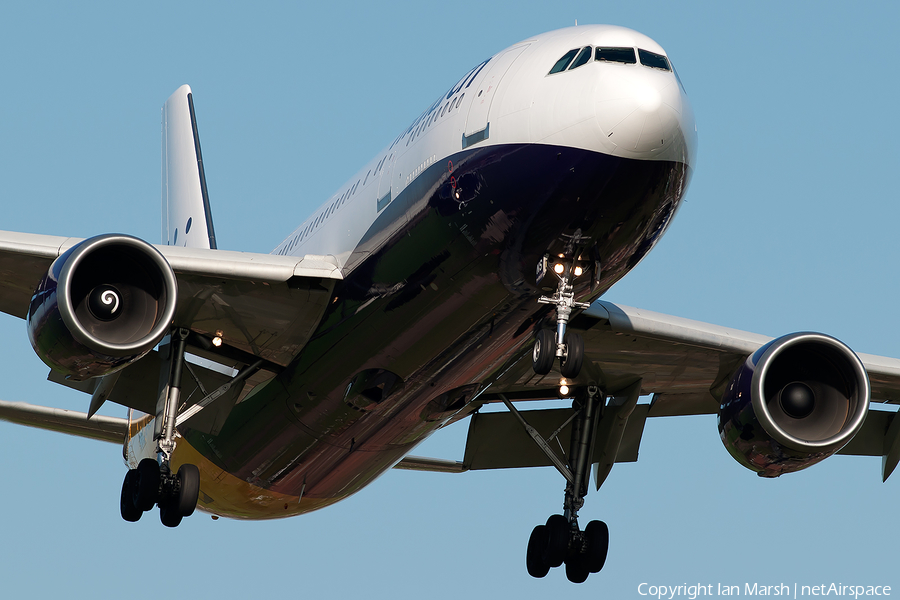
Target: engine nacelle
{"x":794,"y":402}
{"x":103,"y":304}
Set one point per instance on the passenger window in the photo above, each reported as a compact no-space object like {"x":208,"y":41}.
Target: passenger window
{"x":583,"y":57}
{"x":619,"y":55}
{"x":656,"y":61}
{"x":563,"y":62}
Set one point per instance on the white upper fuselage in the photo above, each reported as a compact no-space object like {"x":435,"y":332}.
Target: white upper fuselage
{"x":627,"y":110}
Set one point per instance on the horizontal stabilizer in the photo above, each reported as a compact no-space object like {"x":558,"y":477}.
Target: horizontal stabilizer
{"x":105,"y":429}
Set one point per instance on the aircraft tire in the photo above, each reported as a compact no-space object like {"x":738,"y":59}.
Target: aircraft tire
{"x":169,"y":515}
{"x":557,"y":540}
{"x":543,"y":352}
{"x":571,"y":363}
{"x":189,"y":491}
{"x":146,"y":484}
{"x":598,"y":545}
{"x":129,"y":511}
{"x":576,"y":569}
{"x":534,"y":555}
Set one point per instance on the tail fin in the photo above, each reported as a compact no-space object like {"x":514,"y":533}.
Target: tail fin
{"x":187,"y":218}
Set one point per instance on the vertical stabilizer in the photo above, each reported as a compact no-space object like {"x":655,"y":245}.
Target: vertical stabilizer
{"x":186,"y":216}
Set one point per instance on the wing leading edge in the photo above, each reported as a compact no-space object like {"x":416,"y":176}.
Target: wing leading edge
{"x":683,"y":363}
{"x":265,"y":304}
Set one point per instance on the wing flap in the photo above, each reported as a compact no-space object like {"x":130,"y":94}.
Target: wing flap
{"x":870,"y":441}
{"x":430,"y":465}
{"x":498,"y":440}
{"x":673,"y":405}
{"x":138,"y":385}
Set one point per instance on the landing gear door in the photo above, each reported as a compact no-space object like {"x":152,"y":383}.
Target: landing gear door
{"x":485,"y":90}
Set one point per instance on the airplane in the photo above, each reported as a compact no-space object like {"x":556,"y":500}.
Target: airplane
{"x":460,"y":267}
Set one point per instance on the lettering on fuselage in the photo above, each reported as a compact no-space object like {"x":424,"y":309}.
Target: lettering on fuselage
{"x":444,"y":106}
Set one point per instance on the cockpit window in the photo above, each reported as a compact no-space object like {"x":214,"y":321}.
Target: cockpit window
{"x":583,"y":57}
{"x":619,"y":55}
{"x":563,"y":62}
{"x":657,"y":61}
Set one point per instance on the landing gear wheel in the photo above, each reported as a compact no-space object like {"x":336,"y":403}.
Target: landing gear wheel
{"x":169,"y":516}
{"x":543,"y":352}
{"x":597,"y":534}
{"x":189,"y":489}
{"x":146,"y":484}
{"x":534,"y":556}
{"x":557,"y":540}
{"x":129,"y":511}
{"x":561,"y":540}
{"x":576,"y":569}
{"x":570,"y":365}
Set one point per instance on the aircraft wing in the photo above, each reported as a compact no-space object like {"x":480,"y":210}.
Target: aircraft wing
{"x":266,"y":305}
{"x":685,"y":365}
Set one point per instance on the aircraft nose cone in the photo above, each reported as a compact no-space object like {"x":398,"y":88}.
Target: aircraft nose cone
{"x":643,"y":114}
{"x":647,"y":98}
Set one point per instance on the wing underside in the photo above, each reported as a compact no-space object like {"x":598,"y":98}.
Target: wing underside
{"x":683,"y":365}
{"x":264,"y":307}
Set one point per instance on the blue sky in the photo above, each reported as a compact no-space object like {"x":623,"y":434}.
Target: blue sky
{"x":790,"y":224}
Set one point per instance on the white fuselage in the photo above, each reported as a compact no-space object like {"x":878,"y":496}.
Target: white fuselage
{"x":625,"y":110}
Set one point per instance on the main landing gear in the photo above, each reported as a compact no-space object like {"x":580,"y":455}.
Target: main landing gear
{"x":565,"y":345}
{"x":561,"y":540}
{"x":152,"y":482}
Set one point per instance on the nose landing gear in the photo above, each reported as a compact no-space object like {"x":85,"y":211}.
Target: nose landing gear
{"x":565,"y":345}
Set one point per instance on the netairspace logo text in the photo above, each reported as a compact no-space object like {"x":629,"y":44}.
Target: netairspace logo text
{"x":692,"y":592}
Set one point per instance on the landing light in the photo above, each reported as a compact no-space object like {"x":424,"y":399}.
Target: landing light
{"x":559,"y":268}
{"x":563,"y":389}
{"x":578,"y":271}
{"x":217,"y":341}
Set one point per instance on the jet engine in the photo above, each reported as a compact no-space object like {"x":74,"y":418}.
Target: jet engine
{"x":102,"y":305}
{"x":794,"y":402}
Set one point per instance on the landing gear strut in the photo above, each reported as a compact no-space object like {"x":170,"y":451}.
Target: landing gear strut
{"x":561,"y":540}
{"x":152,"y":482}
{"x":567,"y":346}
